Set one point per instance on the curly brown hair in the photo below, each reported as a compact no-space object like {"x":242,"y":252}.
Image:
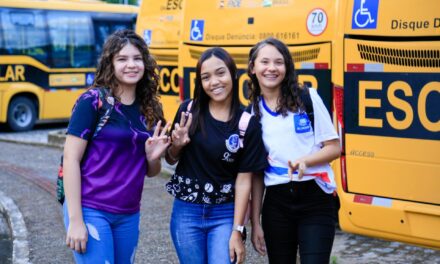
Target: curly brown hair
{"x":290,"y":98}
{"x":146,"y":88}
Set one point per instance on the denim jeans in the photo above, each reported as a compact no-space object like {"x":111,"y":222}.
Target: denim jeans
{"x":112,"y":238}
{"x":201,"y":232}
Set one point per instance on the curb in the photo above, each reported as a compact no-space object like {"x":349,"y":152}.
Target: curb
{"x":57,"y":138}
{"x":20,"y":251}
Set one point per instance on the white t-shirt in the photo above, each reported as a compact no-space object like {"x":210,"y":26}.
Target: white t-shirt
{"x":292,"y":137}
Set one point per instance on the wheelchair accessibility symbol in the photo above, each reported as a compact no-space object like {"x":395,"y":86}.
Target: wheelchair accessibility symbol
{"x":147,"y":36}
{"x":90,"y":77}
{"x":197,"y":28}
{"x":365,"y":14}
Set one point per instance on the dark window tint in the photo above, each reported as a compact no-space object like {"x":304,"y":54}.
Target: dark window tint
{"x":24,"y":33}
{"x":72,"y":40}
{"x":105,"y":27}
{"x":59,"y":39}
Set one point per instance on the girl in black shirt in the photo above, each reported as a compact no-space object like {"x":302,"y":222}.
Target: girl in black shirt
{"x":212,"y":181}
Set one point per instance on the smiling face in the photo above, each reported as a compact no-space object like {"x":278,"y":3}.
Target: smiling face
{"x":128,"y":66}
{"x":269,"y":68}
{"x":216,"y":79}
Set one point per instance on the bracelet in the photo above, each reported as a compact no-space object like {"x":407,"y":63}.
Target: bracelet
{"x":171,"y":157}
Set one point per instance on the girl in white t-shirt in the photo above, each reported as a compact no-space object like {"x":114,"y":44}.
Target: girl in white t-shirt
{"x":298,"y":209}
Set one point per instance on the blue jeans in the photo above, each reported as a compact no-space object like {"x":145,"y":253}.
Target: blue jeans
{"x":112,"y":238}
{"x":201,"y":232}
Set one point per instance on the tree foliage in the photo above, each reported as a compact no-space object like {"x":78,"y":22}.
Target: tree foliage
{"x":130,"y":2}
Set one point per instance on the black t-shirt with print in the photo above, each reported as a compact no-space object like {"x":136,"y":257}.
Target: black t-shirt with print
{"x":209,"y":164}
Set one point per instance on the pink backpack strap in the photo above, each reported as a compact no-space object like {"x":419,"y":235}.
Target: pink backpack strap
{"x":243,"y":123}
{"x":188,"y":107}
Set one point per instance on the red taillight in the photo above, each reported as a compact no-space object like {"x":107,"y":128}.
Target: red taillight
{"x":343,"y":173}
{"x":181,"y":89}
{"x":338,"y":101}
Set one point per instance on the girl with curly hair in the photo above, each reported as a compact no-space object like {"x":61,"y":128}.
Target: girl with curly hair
{"x":104,"y":172}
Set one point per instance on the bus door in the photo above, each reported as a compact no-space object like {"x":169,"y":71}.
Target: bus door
{"x":159,"y":22}
{"x":391,"y":120}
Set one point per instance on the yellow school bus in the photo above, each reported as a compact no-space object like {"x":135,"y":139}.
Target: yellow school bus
{"x":48,"y":55}
{"x":159,"y":22}
{"x":305,"y":26}
{"x":386,"y":75}
{"x":382,"y":60}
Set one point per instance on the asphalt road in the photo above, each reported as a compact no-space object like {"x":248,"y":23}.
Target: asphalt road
{"x":28,"y":173}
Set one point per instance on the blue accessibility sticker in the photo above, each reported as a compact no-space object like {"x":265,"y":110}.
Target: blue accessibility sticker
{"x":197,"y":29}
{"x":90,"y":77}
{"x":147,"y":36}
{"x":364,"y":14}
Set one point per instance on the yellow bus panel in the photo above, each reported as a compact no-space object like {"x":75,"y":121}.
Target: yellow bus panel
{"x":389,"y":119}
{"x":226,"y":23}
{"x":159,"y":22}
{"x":393,"y":18}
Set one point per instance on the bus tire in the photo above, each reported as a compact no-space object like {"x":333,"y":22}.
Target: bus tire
{"x":21,"y":114}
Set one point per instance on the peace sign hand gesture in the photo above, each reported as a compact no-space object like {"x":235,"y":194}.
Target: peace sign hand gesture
{"x":299,"y":166}
{"x":158,"y":143}
{"x":180,"y":136}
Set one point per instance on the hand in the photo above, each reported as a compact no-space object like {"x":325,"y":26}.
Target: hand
{"x":158,"y":143}
{"x":180,"y":135}
{"x":299,"y":165}
{"x":236,"y":248}
{"x":257,"y":238}
{"x":76,"y":238}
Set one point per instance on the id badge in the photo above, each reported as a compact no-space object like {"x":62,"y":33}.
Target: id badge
{"x":302,"y":123}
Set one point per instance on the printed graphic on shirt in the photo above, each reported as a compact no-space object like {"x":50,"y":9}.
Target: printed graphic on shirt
{"x":191,"y":190}
{"x":302,"y":123}
{"x":227,"y":157}
{"x":232,"y":143}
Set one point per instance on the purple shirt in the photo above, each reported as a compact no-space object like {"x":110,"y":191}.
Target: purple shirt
{"x":114,"y":164}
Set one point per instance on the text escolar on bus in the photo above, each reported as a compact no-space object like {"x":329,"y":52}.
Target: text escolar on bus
{"x":48,"y":55}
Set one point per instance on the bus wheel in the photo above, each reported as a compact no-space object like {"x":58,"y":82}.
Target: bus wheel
{"x":21,"y":114}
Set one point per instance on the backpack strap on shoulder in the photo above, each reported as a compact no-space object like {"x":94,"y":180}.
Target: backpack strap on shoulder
{"x":243,"y":124}
{"x":106,"y":102}
{"x":188,"y":107}
{"x":308,"y":105}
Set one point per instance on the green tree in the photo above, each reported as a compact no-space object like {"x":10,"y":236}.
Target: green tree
{"x":130,"y":2}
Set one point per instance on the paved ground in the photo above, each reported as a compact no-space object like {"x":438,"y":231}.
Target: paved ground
{"x":27,"y":176}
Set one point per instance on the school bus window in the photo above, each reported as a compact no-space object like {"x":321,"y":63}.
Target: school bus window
{"x":24,"y":34}
{"x":71,"y":36}
{"x":103,"y":28}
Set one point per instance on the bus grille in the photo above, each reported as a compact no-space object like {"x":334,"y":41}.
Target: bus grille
{"x":305,"y":55}
{"x":239,"y":58}
{"x":402,"y":57}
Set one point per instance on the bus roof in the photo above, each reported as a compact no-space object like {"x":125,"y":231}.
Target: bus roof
{"x":71,"y":5}
{"x":246,"y":22}
{"x":395,"y":18}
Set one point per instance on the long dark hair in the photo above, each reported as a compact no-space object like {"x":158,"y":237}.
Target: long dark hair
{"x":146,"y":88}
{"x":289,"y":99}
{"x":201,"y":99}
